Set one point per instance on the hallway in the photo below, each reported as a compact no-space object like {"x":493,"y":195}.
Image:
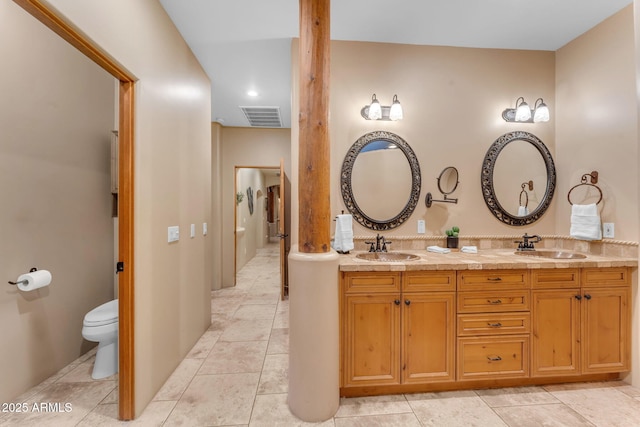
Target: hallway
{"x":236,"y":375}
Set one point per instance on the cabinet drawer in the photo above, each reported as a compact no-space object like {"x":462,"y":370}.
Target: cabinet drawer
{"x":478,"y":280}
{"x":493,"y":357}
{"x":558,"y":278}
{"x":367,"y":282}
{"x":494,"y":324}
{"x":493,"y":301}
{"x":612,"y":276}
{"x":421,"y":281}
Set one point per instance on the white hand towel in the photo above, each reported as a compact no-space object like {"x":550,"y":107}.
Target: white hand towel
{"x":343,"y":237}
{"x":523,"y":211}
{"x":438,"y":249}
{"x":585,"y":222}
{"x":469,"y":249}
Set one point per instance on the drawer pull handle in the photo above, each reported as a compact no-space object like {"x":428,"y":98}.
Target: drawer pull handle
{"x":494,"y":279}
{"x":495,"y":301}
{"x":494,"y":358}
{"x":495,"y":325}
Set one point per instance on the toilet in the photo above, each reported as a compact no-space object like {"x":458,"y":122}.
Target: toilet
{"x":101,"y":325}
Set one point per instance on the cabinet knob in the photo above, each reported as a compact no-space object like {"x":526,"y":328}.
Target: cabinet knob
{"x":397,"y":302}
{"x":407,"y":302}
{"x":494,"y":358}
{"x":578,"y":297}
{"x":587,"y":296}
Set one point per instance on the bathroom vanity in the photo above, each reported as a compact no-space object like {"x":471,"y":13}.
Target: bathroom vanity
{"x":456,"y":321}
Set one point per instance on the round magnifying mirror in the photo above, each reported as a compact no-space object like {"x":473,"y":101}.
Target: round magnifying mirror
{"x":448,"y":180}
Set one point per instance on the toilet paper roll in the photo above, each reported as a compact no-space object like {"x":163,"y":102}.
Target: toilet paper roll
{"x":34,"y":280}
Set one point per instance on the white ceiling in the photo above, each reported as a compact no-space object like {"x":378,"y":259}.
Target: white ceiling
{"x":246,"y":44}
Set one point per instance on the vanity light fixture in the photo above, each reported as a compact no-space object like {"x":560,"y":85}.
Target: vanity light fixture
{"x":524,"y":114}
{"x":375,"y":111}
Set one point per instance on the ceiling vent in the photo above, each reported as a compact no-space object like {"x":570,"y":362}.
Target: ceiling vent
{"x":268,"y":117}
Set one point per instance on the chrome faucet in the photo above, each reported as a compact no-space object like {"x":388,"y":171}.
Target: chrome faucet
{"x":380,"y":245}
{"x":526,"y":244}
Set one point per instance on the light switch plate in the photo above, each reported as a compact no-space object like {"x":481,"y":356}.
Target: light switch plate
{"x":421,"y":226}
{"x":204,"y":228}
{"x":193,"y":231}
{"x":608,"y":230}
{"x":173,"y":234}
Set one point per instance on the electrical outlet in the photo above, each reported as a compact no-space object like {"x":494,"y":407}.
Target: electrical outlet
{"x":204,"y":228}
{"x":421,"y":226}
{"x":608,"y":230}
{"x":193,"y":231}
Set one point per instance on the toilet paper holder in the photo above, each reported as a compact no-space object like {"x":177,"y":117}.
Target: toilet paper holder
{"x":23,"y":281}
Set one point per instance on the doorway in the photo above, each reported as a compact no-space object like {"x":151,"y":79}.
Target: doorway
{"x":259,"y":215}
{"x":256,"y":217}
{"x":60,"y":26}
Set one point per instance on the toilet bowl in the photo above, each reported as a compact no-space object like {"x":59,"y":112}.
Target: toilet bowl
{"x":101,"y":325}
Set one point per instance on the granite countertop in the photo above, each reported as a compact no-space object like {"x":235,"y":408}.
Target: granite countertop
{"x":485,"y":259}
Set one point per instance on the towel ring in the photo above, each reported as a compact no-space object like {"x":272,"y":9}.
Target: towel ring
{"x":526,"y":195}
{"x":583,"y":181}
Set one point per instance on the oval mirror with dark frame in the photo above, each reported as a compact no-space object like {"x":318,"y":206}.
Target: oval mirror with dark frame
{"x":380,"y":180}
{"x":518,"y":162}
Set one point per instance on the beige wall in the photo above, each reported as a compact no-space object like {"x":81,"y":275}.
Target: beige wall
{"x":597,"y":124}
{"x":453,"y":99}
{"x":215,"y":236}
{"x":172,"y":178}
{"x":56,"y":116}
{"x":256,"y":147}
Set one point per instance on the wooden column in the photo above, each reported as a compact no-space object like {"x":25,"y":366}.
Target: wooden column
{"x":314,"y":233}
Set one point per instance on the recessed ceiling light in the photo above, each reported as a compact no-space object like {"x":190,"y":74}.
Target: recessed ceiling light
{"x":252,"y":93}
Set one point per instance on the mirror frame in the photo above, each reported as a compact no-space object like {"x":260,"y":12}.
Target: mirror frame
{"x":347,"y":190}
{"x":486,"y":178}
{"x":440,"y":180}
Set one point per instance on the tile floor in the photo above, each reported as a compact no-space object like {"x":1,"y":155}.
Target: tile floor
{"x":236,"y":375}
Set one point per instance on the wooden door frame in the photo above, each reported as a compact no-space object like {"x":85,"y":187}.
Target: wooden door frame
{"x":235,"y":211}
{"x":50,"y":18}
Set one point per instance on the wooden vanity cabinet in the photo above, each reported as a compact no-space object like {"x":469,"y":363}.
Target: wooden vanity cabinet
{"x":493,"y":324}
{"x":370,"y":332}
{"x":428,"y":327}
{"x":580,"y":321}
{"x":441,"y":330}
{"x":398,"y":328}
{"x":606,"y":320}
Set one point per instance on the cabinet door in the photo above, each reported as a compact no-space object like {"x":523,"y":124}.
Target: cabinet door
{"x":428,"y":337}
{"x":605,"y":330}
{"x":372,"y":340}
{"x":555,"y":332}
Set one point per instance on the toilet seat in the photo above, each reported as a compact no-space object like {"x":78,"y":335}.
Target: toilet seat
{"x":104,"y":314}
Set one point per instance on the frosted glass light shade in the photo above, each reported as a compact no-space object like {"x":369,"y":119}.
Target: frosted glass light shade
{"x":395,"y":113}
{"x":375,"y":110}
{"x":523,"y":112}
{"x":541,"y":113}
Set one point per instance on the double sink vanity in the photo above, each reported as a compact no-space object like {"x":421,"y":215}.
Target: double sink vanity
{"x":420,"y":321}
{"x":413,"y":320}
